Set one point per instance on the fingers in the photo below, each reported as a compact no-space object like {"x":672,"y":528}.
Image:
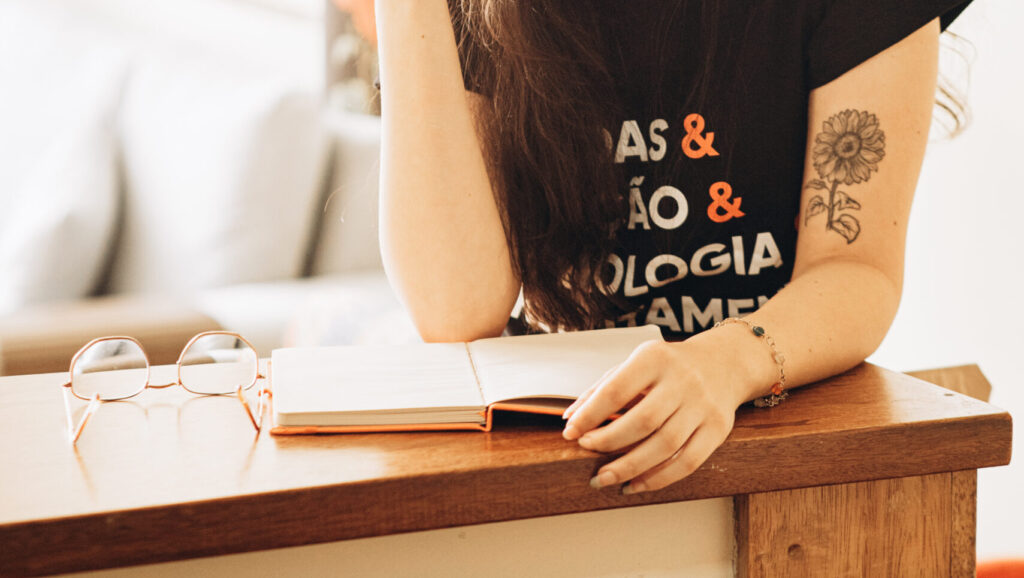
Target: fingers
{"x":589,"y":391}
{"x":680,"y":418}
{"x":653,"y":451}
{"x":697,"y":450}
{"x":640,"y":421}
{"x":628,"y":380}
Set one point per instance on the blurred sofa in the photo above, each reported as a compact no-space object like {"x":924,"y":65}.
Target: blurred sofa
{"x":170,"y":167}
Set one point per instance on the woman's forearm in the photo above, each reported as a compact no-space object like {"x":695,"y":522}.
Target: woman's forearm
{"x":845,"y":289}
{"x":442,"y":240}
{"x":829,"y":318}
{"x":825,"y":321}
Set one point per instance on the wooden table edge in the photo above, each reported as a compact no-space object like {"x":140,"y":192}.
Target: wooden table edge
{"x":362,"y":509}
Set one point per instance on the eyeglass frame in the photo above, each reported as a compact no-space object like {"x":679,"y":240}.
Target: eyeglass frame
{"x":94,"y":401}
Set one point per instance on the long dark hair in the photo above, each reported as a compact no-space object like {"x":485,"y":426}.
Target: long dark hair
{"x":560,"y":202}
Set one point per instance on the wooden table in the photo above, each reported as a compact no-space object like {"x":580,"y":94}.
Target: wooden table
{"x":869,"y":473}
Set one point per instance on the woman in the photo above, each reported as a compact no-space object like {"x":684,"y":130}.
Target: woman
{"x":669,"y":162}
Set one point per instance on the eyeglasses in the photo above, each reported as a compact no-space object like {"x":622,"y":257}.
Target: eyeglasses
{"x":117,"y":367}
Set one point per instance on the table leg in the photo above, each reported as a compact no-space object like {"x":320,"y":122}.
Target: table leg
{"x":922,"y":525}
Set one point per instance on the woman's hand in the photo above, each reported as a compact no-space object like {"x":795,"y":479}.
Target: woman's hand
{"x":686,"y":399}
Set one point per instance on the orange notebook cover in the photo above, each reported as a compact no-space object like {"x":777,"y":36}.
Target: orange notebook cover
{"x":435,"y":386}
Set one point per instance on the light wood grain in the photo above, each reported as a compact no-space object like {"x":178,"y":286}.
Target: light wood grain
{"x":895,"y":527}
{"x":169,"y":475}
{"x":965,"y":379}
{"x":963,"y":545}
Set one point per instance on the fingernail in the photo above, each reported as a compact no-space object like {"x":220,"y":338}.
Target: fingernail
{"x":571,"y":432}
{"x":587,"y":441}
{"x":633,"y":488}
{"x":603,"y":479}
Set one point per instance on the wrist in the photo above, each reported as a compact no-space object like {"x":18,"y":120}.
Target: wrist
{"x":746,"y":361}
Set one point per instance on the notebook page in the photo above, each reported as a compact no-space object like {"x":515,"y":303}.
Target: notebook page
{"x":392,"y":378}
{"x":556,"y":364}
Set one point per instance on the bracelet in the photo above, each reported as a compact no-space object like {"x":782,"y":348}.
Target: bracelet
{"x":779,"y":392}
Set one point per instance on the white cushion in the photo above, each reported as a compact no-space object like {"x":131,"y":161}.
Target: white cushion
{"x":59,"y":89}
{"x":348,"y":238}
{"x":346,"y":309}
{"x":223,"y":167}
{"x":258,"y":311}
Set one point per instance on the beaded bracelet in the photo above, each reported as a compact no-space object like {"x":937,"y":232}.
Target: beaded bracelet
{"x":778,"y":388}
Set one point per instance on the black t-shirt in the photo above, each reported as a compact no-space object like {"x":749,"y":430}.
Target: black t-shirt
{"x":713,"y":167}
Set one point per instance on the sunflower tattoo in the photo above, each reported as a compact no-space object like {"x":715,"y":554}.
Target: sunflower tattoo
{"x":846,"y":151}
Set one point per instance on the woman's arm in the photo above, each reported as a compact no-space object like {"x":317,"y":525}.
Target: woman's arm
{"x":441,"y":235}
{"x":844,"y":293}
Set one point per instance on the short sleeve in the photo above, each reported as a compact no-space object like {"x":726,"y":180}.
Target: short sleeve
{"x":852,"y":31}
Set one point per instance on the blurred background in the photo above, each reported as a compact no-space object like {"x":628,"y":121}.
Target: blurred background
{"x":199,"y":164}
{"x":169,"y":167}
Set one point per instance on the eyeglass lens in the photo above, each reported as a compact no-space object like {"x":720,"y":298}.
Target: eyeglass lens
{"x":218,"y":364}
{"x":114,"y":369}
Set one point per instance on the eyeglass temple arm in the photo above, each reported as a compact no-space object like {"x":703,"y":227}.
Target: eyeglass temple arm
{"x":76,"y":432}
{"x":257,"y":418}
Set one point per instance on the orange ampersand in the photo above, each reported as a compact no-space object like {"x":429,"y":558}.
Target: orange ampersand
{"x":720,"y":193}
{"x":694,"y":124}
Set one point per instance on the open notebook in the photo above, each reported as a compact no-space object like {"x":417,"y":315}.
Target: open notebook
{"x":434,"y":386}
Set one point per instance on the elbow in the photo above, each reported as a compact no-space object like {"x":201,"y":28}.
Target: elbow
{"x":450,"y":302}
{"x":872,"y":292}
{"x":887,"y":293}
{"x":445,"y":316}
